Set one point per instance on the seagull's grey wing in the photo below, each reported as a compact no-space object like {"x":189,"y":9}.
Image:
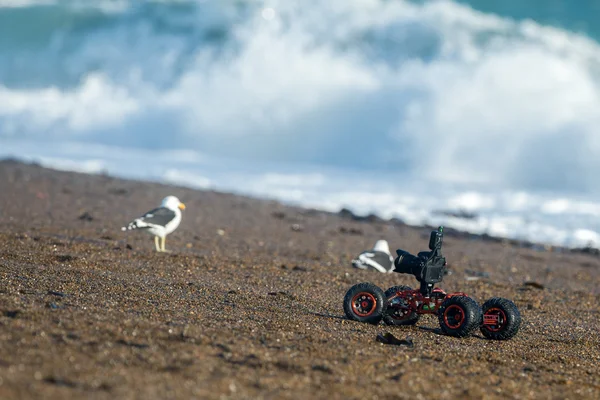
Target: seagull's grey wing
{"x":158,"y":217}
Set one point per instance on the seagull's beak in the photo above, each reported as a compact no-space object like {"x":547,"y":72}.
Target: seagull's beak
{"x":181,"y":206}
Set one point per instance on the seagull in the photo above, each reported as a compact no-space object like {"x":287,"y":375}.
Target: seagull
{"x":160,"y":221}
{"x":378,"y":259}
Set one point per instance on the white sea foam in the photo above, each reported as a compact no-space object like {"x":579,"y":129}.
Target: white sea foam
{"x":96,"y":104}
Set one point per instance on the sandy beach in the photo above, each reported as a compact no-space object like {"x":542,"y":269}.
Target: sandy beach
{"x":249,"y":303}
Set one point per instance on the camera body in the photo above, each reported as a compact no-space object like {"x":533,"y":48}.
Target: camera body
{"x":428,"y":267}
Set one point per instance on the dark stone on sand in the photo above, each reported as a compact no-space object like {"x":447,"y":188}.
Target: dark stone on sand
{"x":133,"y":344}
{"x":489,"y":238}
{"x":118,"y":191}
{"x":322,"y":368}
{"x":280,"y":293}
{"x":371,"y":218}
{"x":348,"y":214}
{"x":587,"y":250}
{"x":350,"y":231}
{"x":396,"y":377}
{"x":388,"y":338}
{"x":12,"y":313}
{"x":60,"y":382}
{"x":86,"y":216}
{"x":532,"y":284}
{"x":479,"y":274}
{"x":397,"y":221}
{"x":278,"y":215}
{"x":65,"y":258}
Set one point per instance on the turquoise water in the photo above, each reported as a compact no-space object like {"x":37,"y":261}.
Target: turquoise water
{"x":576,"y":16}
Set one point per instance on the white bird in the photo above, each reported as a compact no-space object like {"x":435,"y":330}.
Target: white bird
{"x":378,"y":259}
{"x":160,"y":221}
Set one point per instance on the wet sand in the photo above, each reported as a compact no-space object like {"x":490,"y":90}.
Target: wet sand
{"x":249,"y":303}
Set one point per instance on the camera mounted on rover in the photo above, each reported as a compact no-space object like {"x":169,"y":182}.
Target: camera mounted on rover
{"x":429,"y":267}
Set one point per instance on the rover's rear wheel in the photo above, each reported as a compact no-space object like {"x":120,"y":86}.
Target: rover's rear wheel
{"x":365,"y":302}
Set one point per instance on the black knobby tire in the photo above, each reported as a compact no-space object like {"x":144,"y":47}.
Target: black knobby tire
{"x":459,"y":316}
{"x":365,"y":302}
{"x":394,"y":317}
{"x":508,"y":316}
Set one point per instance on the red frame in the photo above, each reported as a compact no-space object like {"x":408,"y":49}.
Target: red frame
{"x":494,"y":319}
{"x":416,"y":300}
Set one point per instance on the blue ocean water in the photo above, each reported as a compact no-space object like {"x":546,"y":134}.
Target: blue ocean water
{"x":579,"y":17}
{"x":402,"y":108}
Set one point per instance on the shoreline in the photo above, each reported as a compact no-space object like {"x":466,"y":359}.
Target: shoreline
{"x":351,"y":215}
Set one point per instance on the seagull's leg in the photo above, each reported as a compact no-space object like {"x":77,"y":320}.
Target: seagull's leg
{"x":164,"y":239}
{"x":156,"y":244}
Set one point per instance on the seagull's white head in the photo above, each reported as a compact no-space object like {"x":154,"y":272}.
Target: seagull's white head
{"x":172,"y":203}
{"x":382,"y":245}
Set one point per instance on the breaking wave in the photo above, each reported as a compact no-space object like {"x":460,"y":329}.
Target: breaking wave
{"x":405,"y":91}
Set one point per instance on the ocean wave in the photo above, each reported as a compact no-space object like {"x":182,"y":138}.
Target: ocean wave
{"x":372,"y":84}
{"x":432,"y":92}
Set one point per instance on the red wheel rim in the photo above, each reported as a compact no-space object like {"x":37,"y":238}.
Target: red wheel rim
{"x":502,"y":320}
{"x":364,"y":304}
{"x":454,"y":316}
